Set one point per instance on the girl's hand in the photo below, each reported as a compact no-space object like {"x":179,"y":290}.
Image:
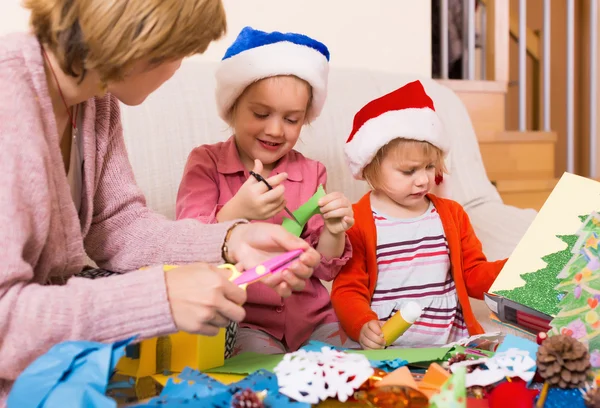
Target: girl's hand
{"x":371,"y":336}
{"x":337,"y":213}
{"x":254,"y":200}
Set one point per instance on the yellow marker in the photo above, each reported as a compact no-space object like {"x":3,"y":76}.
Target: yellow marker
{"x":400,"y":322}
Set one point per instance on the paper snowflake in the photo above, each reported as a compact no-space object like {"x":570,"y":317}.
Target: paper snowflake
{"x":309,"y":376}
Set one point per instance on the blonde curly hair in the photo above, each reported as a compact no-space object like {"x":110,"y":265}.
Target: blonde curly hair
{"x":109,"y":36}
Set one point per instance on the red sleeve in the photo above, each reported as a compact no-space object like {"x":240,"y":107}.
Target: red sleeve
{"x":478,"y":273}
{"x":199,"y":190}
{"x":350,"y":295}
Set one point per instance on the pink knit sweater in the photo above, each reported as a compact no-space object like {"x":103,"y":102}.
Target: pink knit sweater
{"x":43,"y":241}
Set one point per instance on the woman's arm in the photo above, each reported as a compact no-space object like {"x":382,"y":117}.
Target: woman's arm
{"x":35,"y":316}
{"x":125,"y":234}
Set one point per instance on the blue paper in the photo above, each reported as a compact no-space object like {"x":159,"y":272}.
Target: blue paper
{"x":73,"y":371}
{"x":315,"y":345}
{"x":194,"y":389}
{"x":512,"y":341}
{"x":388,"y":365}
{"x":570,"y":398}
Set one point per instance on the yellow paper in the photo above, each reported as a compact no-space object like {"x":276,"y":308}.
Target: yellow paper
{"x":197,"y":352}
{"x":572,"y":197}
{"x":147,"y":365}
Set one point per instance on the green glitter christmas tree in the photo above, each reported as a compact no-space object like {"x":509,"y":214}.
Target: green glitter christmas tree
{"x":539,"y":291}
{"x":579,"y":311}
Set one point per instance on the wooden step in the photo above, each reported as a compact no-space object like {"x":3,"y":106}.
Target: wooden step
{"x":525,"y":193}
{"x":513,"y":155}
{"x":485,"y":102}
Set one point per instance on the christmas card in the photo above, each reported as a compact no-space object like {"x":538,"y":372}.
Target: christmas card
{"x":558,"y":245}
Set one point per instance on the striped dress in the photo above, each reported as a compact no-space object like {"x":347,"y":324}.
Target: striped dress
{"x":414,"y":265}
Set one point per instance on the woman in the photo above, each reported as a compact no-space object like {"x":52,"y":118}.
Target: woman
{"x":67,"y":188}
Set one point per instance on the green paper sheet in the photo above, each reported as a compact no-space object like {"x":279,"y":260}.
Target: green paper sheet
{"x":412,"y":355}
{"x":304,"y":213}
{"x":247,"y":363}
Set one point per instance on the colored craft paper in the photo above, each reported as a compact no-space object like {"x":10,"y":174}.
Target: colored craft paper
{"x":193,"y":388}
{"x":572,"y":197}
{"x":304,"y":213}
{"x":411,"y":355}
{"x":74,"y":371}
{"x":453,"y":393}
{"x":246,"y":363}
{"x":515,"y":342}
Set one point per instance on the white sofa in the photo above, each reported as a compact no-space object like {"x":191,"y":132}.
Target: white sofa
{"x":182,"y":114}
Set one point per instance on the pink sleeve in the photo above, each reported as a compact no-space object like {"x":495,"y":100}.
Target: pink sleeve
{"x":199,"y":188}
{"x":125,"y":234}
{"x":328,"y":269}
{"x":35,"y":317}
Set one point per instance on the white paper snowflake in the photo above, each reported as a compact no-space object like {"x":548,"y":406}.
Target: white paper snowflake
{"x":309,"y":376}
{"x":510,"y":363}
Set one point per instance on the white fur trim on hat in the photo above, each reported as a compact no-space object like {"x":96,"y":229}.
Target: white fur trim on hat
{"x":413,"y":123}
{"x":234,"y":74}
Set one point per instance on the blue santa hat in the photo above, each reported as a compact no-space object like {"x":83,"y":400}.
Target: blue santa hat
{"x":256,"y":55}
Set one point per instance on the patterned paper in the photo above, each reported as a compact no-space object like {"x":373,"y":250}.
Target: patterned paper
{"x":579,"y":314}
{"x":453,"y":393}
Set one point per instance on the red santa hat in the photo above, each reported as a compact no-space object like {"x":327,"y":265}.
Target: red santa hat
{"x":407,"y":112}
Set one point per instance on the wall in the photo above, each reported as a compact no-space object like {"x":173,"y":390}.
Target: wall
{"x":387,"y":35}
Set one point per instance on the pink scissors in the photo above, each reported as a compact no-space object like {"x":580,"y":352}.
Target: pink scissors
{"x":273,"y":265}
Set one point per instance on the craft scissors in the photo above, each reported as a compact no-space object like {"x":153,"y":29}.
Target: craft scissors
{"x":262,"y":179}
{"x":273,"y":265}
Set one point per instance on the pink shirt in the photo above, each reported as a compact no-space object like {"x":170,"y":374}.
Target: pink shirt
{"x":212,"y":176}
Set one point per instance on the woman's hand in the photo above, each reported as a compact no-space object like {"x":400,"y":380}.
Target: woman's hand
{"x":251,"y":244}
{"x":254,"y":200}
{"x":202,"y":298}
{"x":337,"y":213}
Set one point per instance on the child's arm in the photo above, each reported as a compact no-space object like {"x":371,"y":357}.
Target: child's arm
{"x":350,"y":295}
{"x":479,"y":274}
{"x":334,"y":248}
{"x":199,"y":188}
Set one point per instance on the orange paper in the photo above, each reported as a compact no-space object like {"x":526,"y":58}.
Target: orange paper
{"x":400,"y":377}
{"x":433,"y":379}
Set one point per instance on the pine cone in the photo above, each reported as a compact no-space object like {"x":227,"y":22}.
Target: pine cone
{"x":592,"y":398}
{"x":246,"y":399}
{"x":563,"y":362}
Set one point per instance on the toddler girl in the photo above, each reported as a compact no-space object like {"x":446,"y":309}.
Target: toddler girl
{"x":408,"y":244}
{"x":268,"y":86}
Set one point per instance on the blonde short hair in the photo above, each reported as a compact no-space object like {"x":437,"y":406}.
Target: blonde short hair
{"x":108,"y":36}
{"x":404,"y":149}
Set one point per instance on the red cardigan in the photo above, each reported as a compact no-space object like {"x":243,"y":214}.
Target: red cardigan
{"x":354,"y":286}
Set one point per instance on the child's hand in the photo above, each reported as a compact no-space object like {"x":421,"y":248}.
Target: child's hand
{"x":337,"y":212}
{"x":371,"y":336}
{"x":254,"y":200}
